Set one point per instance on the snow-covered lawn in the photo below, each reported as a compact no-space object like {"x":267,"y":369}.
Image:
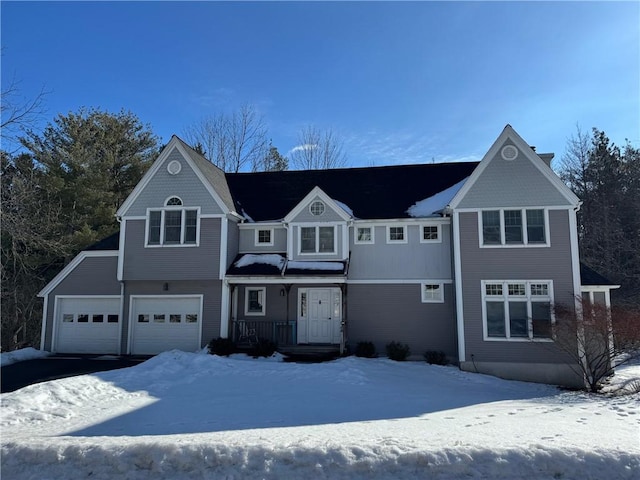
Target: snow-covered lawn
{"x":195,"y":416}
{"x":7,"y":358}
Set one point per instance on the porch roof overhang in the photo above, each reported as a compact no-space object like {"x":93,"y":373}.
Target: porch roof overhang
{"x":275,"y":268}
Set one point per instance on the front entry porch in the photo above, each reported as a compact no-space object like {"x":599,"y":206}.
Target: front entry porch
{"x":300,"y":319}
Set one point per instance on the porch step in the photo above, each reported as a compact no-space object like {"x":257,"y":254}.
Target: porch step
{"x":310,"y":352}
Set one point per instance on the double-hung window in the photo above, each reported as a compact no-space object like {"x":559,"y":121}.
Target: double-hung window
{"x":517,"y":310}
{"x":264,"y":237}
{"x":514,"y":227}
{"x":397,"y":234}
{"x":254,"y":301}
{"x":172,"y":225}
{"x":364,"y":235}
{"x":430,"y":234}
{"x":317,"y":239}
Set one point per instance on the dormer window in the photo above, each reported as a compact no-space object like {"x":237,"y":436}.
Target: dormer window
{"x":173,"y":225}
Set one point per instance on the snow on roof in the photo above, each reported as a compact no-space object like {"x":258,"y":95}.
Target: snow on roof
{"x":247,"y":217}
{"x":329,"y":266}
{"x":267,"y":259}
{"x":343,"y":206}
{"x":436,"y":203}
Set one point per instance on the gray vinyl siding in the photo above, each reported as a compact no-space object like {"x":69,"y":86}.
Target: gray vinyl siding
{"x":515,"y":183}
{"x":341,"y":230}
{"x":383,"y":313}
{"x":305,"y":216}
{"x":233,"y":234}
{"x":93,"y":276}
{"x":172,"y":262}
{"x":411,"y":260}
{"x":545,"y":263}
{"x":248,"y":240}
{"x":185,"y":185}
{"x":211,"y":308}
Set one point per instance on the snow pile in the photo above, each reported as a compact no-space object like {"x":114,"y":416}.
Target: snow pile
{"x":323,"y":266}
{"x":436,"y":203}
{"x":29,"y":353}
{"x":190,"y":416}
{"x":267,"y":259}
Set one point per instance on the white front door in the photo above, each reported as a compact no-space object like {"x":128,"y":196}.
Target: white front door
{"x":320,"y":315}
{"x":320,"y":324}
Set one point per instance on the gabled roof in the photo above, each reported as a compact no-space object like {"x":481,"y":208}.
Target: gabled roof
{"x":317,"y":192}
{"x":588,"y":276}
{"x":509,"y":133}
{"x":211,"y":176}
{"x":371,"y":192}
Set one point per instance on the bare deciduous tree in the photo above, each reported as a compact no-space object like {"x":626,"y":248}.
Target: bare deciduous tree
{"x":597,"y":338}
{"x":318,"y":150}
{"x":233,"y":142}
{"x":18,"y":113}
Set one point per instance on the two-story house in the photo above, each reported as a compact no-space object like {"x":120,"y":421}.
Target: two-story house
{"x":466,"y":258}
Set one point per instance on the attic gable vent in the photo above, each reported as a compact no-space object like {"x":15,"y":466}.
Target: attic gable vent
{"x":509,"y":152}
{"x":174,"y":167}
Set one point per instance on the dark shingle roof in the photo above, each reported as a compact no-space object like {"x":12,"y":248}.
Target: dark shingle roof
{"x":589,"y":276}
{"x":372,"y":192}
{"x":112,"y":242}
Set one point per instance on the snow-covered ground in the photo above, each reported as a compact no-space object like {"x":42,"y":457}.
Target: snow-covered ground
{"x":195,"y":416}
{"x":7,"y":358}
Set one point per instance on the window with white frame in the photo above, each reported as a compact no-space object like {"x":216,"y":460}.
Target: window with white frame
{"x":364,"y":235}
{"x":264,"y":236}
{"x":172,"y":225}
{"x":513,"y":227}
{"x":254,"y":300}
{"x":397,"y":234}
{"x":432,"y":292}
{"x":430,"y":234}
{"x":517,"y":310}
{"x":317,"y":239}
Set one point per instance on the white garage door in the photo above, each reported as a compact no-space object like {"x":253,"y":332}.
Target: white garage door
{"x":88,"y":325}
{"x":165,"y":323}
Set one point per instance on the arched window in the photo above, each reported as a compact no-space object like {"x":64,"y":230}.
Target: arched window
{"x":173,"y":201}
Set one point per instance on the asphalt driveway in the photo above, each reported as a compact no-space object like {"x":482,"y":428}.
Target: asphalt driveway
{"x":21,"y":374}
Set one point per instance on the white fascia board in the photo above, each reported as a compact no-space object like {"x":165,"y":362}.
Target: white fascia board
{"x":400,"y":281}
{"x":224,"y":234}
{"x":598,"y":288}
{"x":317,"y":192}
{"x":284,"y":280}
{"x":72,"y":265}
{"x":510,"y":133}
{"x":259,"y":225}
{"x":409,"y":221}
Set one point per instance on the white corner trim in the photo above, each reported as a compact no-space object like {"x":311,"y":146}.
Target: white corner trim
{"x":457,"y":262}
{"x":224,"y":310}
{"x":72,"y":265}
{"x":316,"y":192}
{"x":123,"y":236}
{"x":43,"y":328}
{"x":575,"y":254}
{"x":224,"y":233}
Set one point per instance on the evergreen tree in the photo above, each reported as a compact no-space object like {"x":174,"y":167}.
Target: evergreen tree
{"x":91,"y":160}
{"x":274,"y":162}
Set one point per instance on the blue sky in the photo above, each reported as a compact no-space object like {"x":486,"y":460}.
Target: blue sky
{"x":401,"y":82}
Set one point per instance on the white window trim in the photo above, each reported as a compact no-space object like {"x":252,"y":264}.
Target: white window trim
{"x":316,"y":201}
{"x":317,"y":227}
{"x":170,"y":197}
{"x":264,"y":301}
{"x":505,"y":300}
{"x":525,"y":241}
{"x":432,"y":300}
{"x":182,"y":227}
{"x":257,"y":241}
{"x":372,"y":228}
{"x":404,"y":235}
{"x":439,"y":234}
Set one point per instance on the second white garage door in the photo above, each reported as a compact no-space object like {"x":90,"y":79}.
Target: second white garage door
{"x":165,"y":323}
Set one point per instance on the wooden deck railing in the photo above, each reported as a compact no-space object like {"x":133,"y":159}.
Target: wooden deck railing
{"x":249,"y":332}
